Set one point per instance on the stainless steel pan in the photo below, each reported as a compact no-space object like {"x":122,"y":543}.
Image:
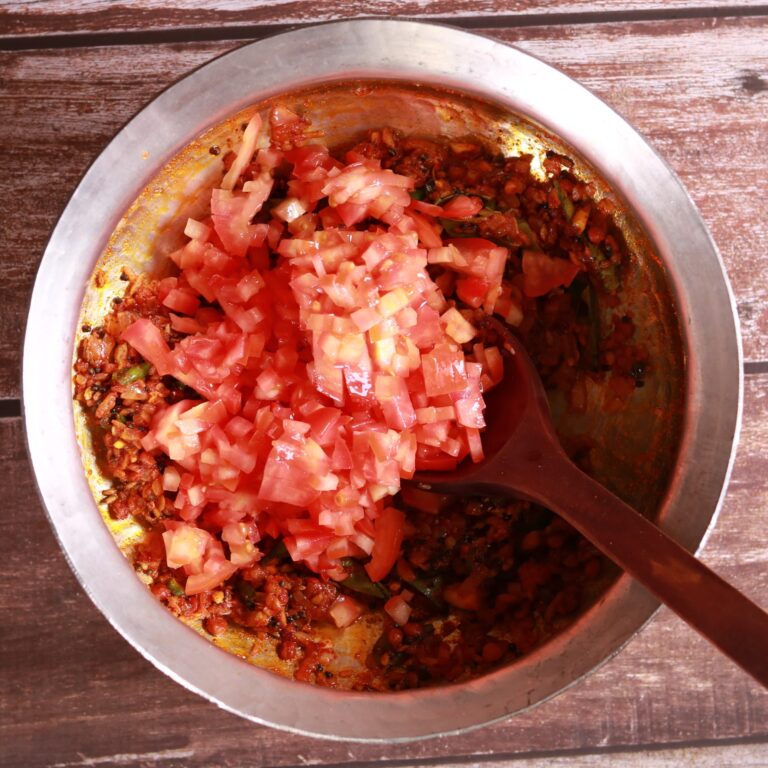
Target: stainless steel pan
{"x":669,"y":452}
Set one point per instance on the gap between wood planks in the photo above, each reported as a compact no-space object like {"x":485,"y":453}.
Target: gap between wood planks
{"x":10,"y":409}
{"x":256,"y":31}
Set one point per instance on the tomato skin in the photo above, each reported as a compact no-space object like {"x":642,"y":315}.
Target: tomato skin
{"x":398,"y":609}
{"x":543,"y":273}
{"x":386,"y":547}
{"x":443,"y":370}
{"x":182,"y":301}
{"x":307,"y":159}
{"x":213,"y":576}
{"x":429,"y":231}
{"x":472,"y":290}
{"x":462,"y":207}
{"x":145,"y":337}
{"x":459,"y":207}
{"x":232,"y":213}
{"x":424,"y":501}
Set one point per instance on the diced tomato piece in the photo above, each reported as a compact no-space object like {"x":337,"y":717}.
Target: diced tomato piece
{"x":307,"y":159}
{"x":435,"y":463}
{"x":328,"y":377}
{"x":398,"y":609}
{"x":183,"y":301}
{"x":232,"y":212}
{"x":443,"y":370}
{"x":462,"y":207}
{"x":392,"y":394}
{"x":386,"y":548}
{"x":307,"y":543}
{"x":459,"y":207}
{"x":185,"y":545}
{"x":146,"y":338}
{"x":475,"y":444}
{"x":325,"y":425}
{"x":542,"y":273}
{"x":429,"y":231}
{"x":472,"y":290}
{"x":294,"y":469}
{"x":186,"y":325}
{"x":469,"y":412}
{"x":214,"y":574}
{"x":427,"y":331}
{"x":424,"y":207}
{"x":425,"y":501}
{"x":241,"y":539}
{"x":351,"y":213}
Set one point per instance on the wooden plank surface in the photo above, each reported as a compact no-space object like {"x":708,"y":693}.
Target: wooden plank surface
{"x":73,"y":693}
{"x":60,"y":17}
{"x":696,"y":88}
{"x":720,"y":756}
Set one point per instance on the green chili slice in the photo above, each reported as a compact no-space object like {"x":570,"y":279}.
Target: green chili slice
{"x":431,"y":588}
{"x":525,"y":228}
{"x":278,"y":552}
{"x":605,"y":268}
{"x":134,"y":373}
{"x":247,"y":593}
{"x":359,"y":581}
{"x":565,"y":201}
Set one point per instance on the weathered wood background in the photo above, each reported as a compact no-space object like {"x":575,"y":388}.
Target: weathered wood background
{"x":691,"y":76}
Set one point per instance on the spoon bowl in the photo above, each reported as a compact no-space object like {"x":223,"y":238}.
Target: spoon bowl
{"x":524,"y":459}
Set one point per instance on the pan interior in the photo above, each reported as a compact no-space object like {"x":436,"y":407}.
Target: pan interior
{"x":633,"y":448}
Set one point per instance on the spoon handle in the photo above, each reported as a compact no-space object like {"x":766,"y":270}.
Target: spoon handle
{"x":722,"y":614}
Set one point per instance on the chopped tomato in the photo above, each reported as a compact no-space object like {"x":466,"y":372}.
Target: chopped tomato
{"x":326,"y":378}
{"x":443,"y":370}
{"x":386,"y":547}
{"x":542,"y":273}
{"x":484,"y":261}
{"x":145,"y":337}
{"x":232,"y":213}
{"x":462,"y":207}
{"x":459,"y":207}
{"x":472,"y":290}
{"x":215,"y":573}
{"x":185,"y":545}
{"x":426,"y":501}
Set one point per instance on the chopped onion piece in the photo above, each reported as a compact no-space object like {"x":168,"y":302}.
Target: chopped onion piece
{"x":244,"y":154}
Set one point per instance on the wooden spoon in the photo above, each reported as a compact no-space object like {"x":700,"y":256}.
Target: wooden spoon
{"x":524,"y":459}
